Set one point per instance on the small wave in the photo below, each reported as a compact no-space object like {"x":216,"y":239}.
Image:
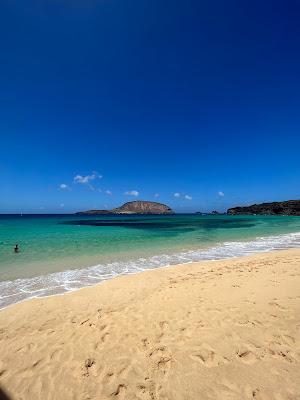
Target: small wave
{"x":66,"y":281}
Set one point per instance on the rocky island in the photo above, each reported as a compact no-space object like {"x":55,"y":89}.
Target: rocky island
{"x":290,"y":207}
{"x":134,"y":207}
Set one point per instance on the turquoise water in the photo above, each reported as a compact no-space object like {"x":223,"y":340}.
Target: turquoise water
{"x":64,"y":252}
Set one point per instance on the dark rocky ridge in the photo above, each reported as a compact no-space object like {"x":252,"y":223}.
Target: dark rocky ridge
{"x":290,"y":207}
{"x":134,"y":207}
{"x":93,"y":212}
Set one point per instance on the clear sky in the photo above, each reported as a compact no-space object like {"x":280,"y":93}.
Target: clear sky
{"x":192,"y":103}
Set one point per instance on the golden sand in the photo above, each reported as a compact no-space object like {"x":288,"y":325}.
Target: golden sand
{"x":213,"y":330}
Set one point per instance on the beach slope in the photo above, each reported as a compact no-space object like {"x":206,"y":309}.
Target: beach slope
{"x":211,"y":330}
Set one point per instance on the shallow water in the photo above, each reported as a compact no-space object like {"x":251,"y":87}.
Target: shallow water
{"x":60,"y":253}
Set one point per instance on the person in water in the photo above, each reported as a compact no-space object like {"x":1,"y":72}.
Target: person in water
{"x":16,"y":248}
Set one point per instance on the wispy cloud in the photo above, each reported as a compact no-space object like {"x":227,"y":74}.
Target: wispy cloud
{"x":132,"y":193}
{"x":156,"y":195}
{"x":62,"y":205}
{"x":221,"y":194}
{"x":87,"y":178}
{"x":63,"y":186}
{"x":183,"y":196}
{"x":108,"y":192}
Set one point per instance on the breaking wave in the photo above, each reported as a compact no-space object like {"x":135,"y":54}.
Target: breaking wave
{"x":61,"y":282}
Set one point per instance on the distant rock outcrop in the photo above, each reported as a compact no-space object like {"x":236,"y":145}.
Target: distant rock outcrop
{"x":134,"y":207}
{"x":143,"y":207}
{"x":93,"y":212}
{"x":290,"y":207}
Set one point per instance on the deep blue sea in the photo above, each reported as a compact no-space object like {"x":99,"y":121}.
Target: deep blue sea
{"x":60,"y":253}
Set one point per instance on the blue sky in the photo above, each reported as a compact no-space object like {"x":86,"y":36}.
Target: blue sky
{"x":148,"y":99}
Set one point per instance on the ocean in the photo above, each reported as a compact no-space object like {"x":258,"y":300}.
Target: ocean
{"x":61,"y":253}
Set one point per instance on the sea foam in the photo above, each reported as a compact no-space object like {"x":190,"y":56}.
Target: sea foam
{"x":61,"y":282}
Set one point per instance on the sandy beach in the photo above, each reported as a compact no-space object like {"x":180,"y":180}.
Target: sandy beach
{"x":211,"y":330}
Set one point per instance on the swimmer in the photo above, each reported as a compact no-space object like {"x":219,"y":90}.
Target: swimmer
{"x":16,"y":248}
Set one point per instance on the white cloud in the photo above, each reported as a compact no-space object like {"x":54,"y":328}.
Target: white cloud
{"x":132,"y":193}
{"x":108,"y":192}
{"x":181,"y":195}
{"x":221,"y":194}
{"x":156,"y":195}
{"x":62,"y":205}
{"x":63,"y":186}
{"x":86,"y":179}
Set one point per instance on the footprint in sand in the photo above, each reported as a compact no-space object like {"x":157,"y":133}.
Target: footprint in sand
{"x":56,"y":354}
{"x":229,"y":388}
{"x":288,"y":340}
{"x":89,"y":367}
{"x":145,"y":343}
{"x":120,"y":392}
{"x":2,"y":369}
{"x":104,"y":337}
{"x":285,"y":355}
{"x":247,"y":357}
{"x":161,"y":358}
{"x":163,"y":325}
{"x":276,"y":305}
{"x":206,"y":356}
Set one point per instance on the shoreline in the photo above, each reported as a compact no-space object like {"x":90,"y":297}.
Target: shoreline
{"x":68,"y":281}
{"x":227,"y":329}
{"x":188,"y":263}
{"x":69,"y":292}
